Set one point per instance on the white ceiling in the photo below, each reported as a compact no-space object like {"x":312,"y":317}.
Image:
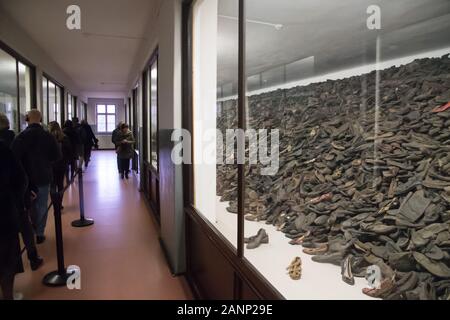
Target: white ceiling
{"x":99,"y":57}
{"x":334,"y":32}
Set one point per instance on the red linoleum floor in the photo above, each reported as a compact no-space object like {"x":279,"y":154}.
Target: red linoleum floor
{"x":119,"y":256}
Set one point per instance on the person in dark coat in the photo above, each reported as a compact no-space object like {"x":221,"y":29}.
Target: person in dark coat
{"x":13,"y":184}
{"x":37,"y":150}
{"x":89,"y":141}
{"x":60,"y":167}
{"x":6,"y":135}
{"x":79,"y":148}
{"x":26,"y":229}
{"x":114,"y":139}
{"x":75,"y":141}
{"x":125,"y":152}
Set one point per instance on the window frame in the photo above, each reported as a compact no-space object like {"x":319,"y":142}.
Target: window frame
{"x":106,"y":114}
{"x":147,"y":105}
{"x":20,"y":59}
{"x":244,"y":271}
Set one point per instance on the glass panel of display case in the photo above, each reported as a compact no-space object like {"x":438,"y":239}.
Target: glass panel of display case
{"x":154,"y":114}
{"x":69,"y":113}
{"x":354,"y":142}
{"x":44,"y":100}
{"x":24,"y":93}
{"x":8,"y":89}
{"x":58,"y":104}
{"x":51,"y":102}
{"x":215,"y":63}
{"x":147,"y":106}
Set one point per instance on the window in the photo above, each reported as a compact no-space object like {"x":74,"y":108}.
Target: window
{"x":70,"y":107}
{"x":82,"y":110}
{"x":8,"y":89}
{"x":106,"y":118}
{"x":25,"y":93}
{"x":355,"y":121}
{"x":15,"y":90}
{"x":52,"y":100}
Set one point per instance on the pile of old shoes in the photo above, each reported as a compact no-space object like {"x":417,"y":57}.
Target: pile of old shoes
{"x":255,"y":241}
{"x":295,"y":269}
{"x":358,"y":185}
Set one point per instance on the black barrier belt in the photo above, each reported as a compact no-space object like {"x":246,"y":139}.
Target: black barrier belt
{"x":51,"y":203}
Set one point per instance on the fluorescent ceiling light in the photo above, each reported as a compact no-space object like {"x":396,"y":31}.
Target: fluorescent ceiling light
{"x":277,"y":26}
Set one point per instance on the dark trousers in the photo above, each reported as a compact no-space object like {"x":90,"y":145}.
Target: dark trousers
{"x":87,"y":153}
{"x":27,"y":232}
{"x":124,"y":166}
{"x":73,"y":169}
{"x":58,"y":180}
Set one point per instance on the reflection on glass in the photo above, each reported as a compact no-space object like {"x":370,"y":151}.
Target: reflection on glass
{"x":215,"y":62}
{"x":52,"y":102}
{"x":8,"y":89}
{"x":24,"y":93}
{"x":69,"y":113}
{"x":58,"y":104}
{"x":154,"y":114}
{"x":45,"y":99}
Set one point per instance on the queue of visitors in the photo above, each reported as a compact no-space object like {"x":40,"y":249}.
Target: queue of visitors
{"x":33,"y":164}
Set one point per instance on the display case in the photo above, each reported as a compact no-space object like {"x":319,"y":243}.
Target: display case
{"x":338,"y":184}
{"x":150,"y":174}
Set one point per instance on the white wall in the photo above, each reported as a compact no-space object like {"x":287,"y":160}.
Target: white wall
{"x":164,"y":33}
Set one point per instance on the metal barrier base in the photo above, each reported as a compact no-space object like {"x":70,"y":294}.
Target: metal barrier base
{"x":55,"y":279}
{"x":86,"y":222}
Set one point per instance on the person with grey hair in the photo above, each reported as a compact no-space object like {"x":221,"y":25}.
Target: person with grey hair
{"x":37,"y":150}
{"x":6,"y":135}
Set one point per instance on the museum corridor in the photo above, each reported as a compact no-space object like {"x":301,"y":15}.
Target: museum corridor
{"x":119,"y":256}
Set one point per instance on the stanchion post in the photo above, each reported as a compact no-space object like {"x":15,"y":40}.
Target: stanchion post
{"x":59,"y":277}
{"x":83,"y":221}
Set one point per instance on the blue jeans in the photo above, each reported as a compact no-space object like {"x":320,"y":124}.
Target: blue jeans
{"x":40,"y":209}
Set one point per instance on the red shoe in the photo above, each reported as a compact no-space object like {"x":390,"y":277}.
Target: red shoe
{"x":441,"y":108}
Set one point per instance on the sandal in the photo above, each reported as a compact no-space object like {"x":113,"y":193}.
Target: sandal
{"x":295,"y":269}
{"x":323,"y":248}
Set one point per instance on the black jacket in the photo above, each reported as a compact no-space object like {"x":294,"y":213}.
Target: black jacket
{"x":13,"y":183}
{"x":87,"y":135}
{"x":115,"y":135}
{"x":67,"y":153}
{"x":74,"y":139}
{"x":7,"y":136}
{"x":36,"y":149}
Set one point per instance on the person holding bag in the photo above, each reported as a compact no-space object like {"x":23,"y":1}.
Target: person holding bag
{"x":124,"y":150}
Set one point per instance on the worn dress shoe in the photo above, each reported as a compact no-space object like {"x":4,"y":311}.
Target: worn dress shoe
{"x":256,"y":241}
